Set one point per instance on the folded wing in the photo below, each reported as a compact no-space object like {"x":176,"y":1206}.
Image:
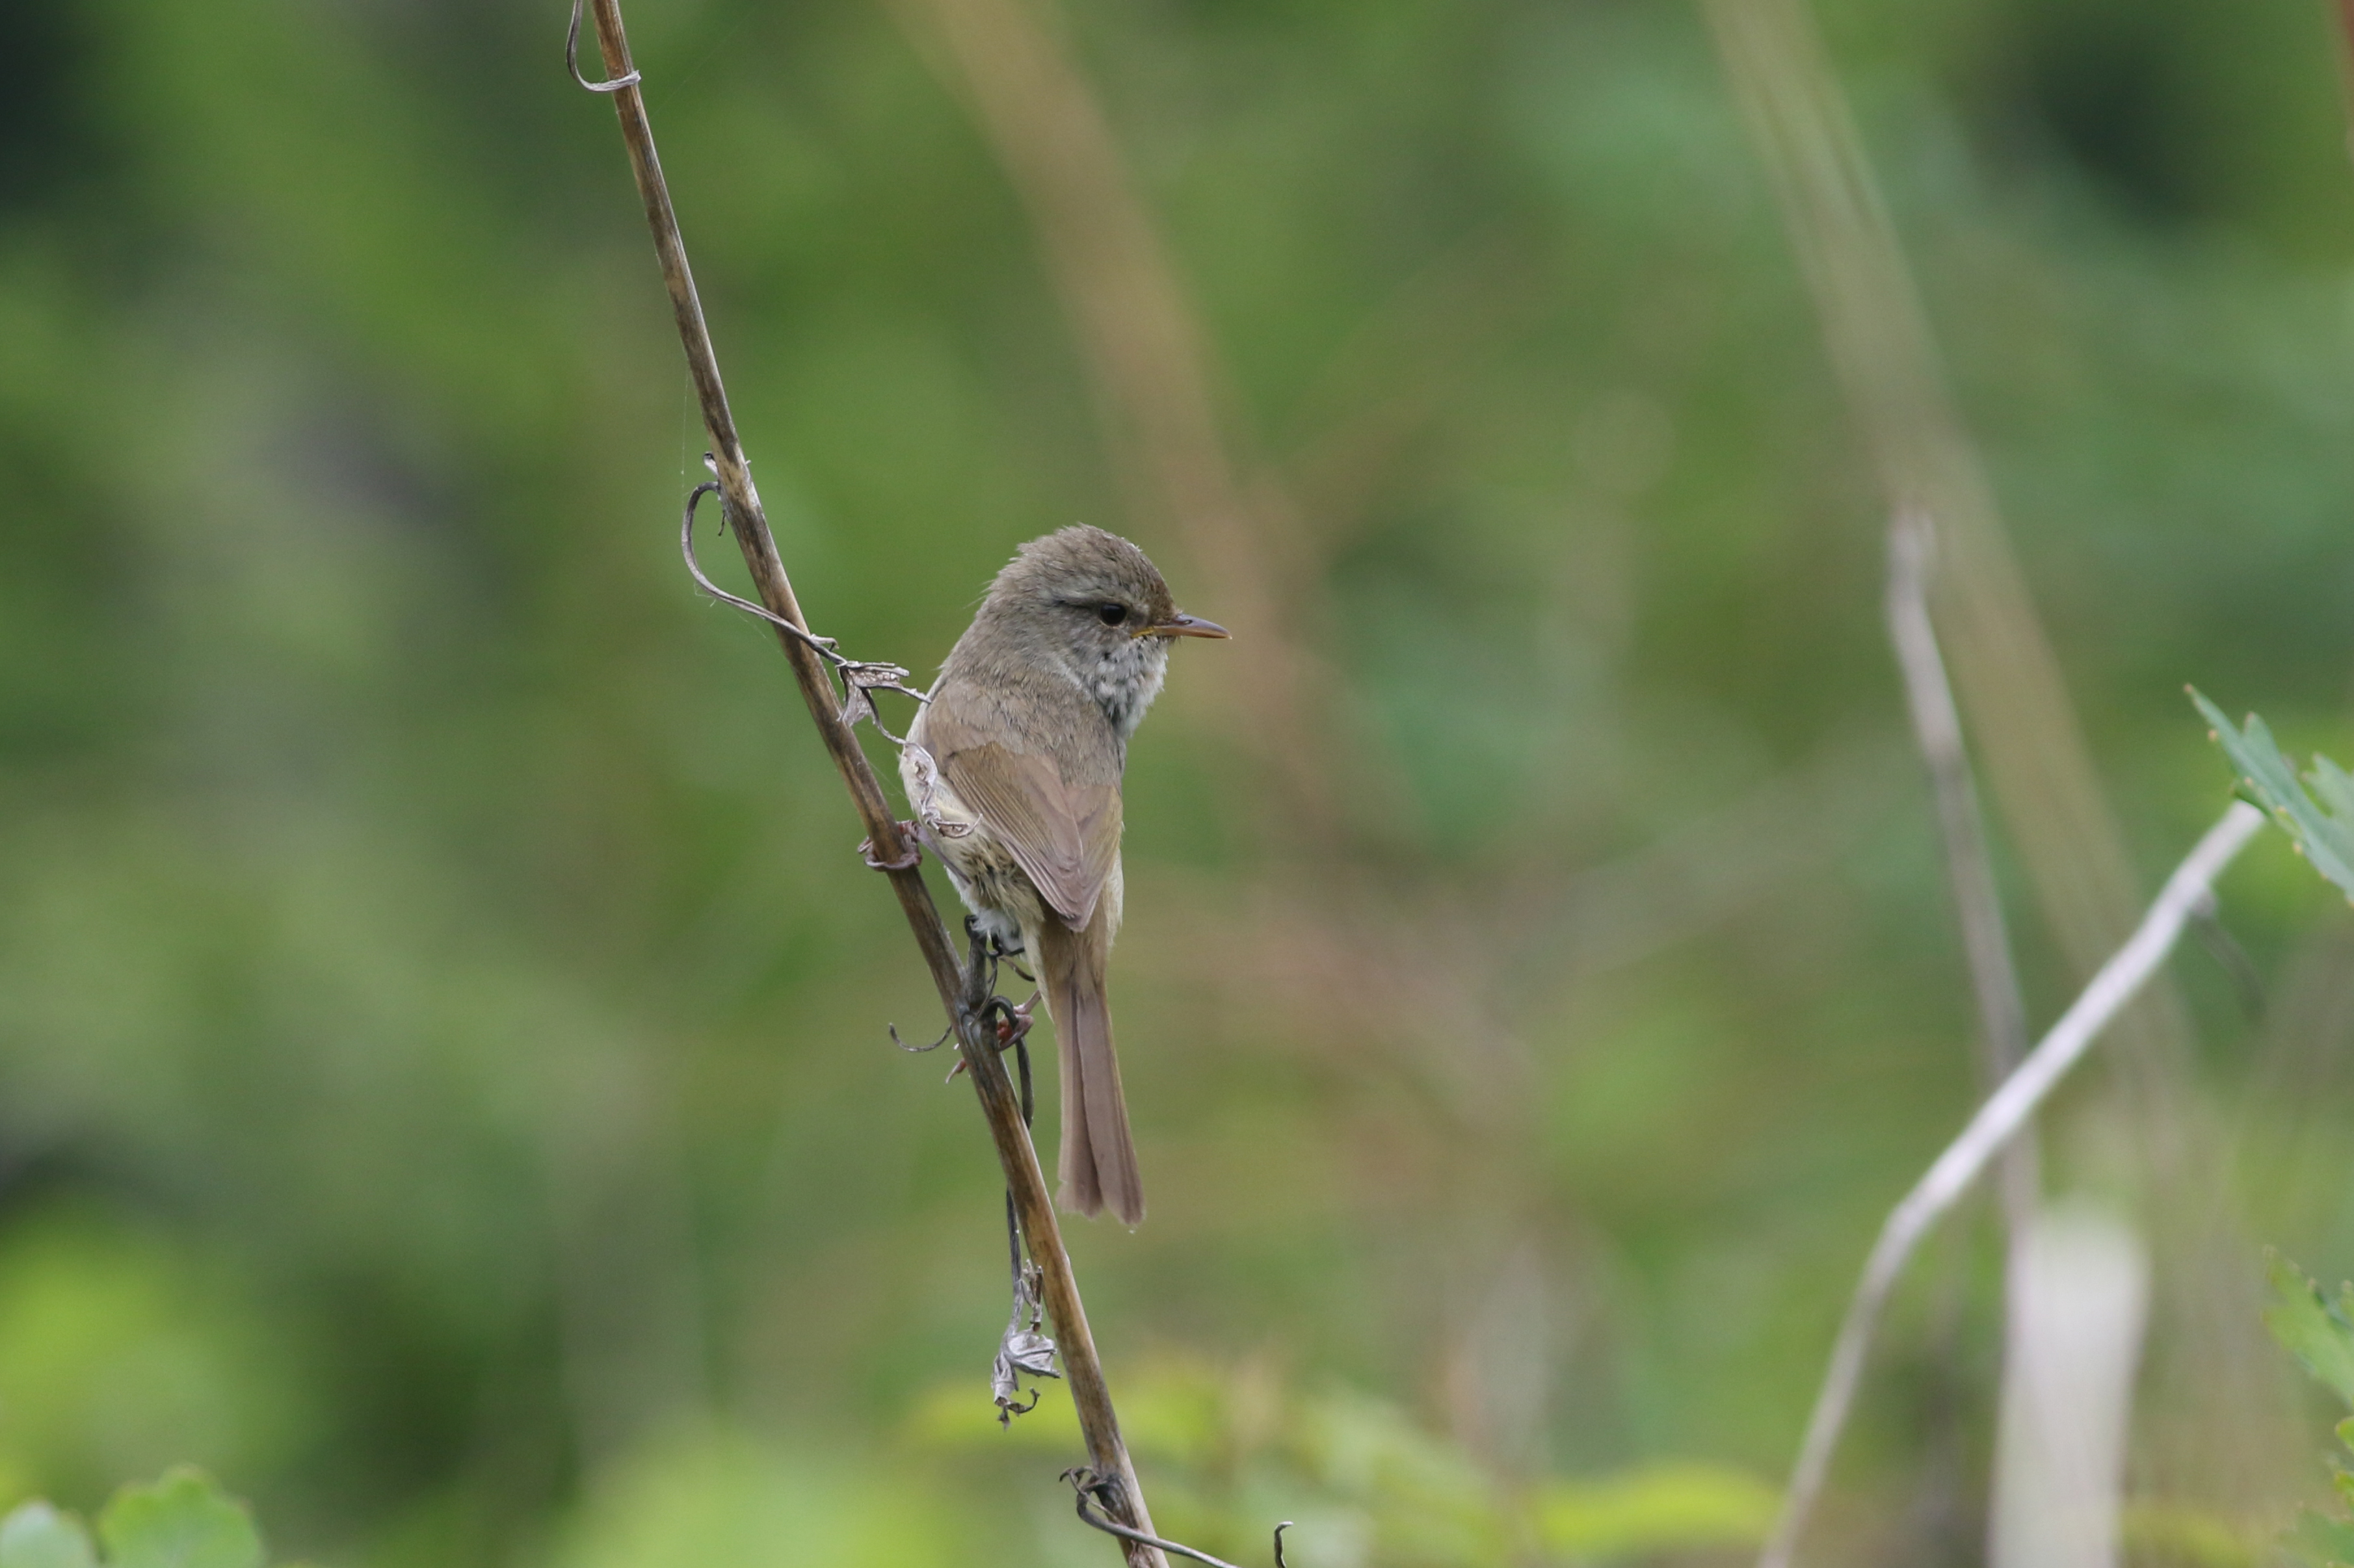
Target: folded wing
{"x":1065,"y":835}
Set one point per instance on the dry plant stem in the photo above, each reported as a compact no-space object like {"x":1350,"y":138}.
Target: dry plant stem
{"x":1996,"y":1122}
{"x":1000,"y":1104}
{"x":1937,"y":726}
{"x":2027,"y":742}
{"x":1887,"y":363}
{"x":1150,"y":365}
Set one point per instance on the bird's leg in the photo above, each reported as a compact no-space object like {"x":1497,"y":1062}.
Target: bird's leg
{"x":1011,"y":1023}
{"x":980,"y":974}
{"x":980,"y":1004}
{"x":1013,"y":1033}
{"x":985,"y":951}
{"x":1009,"y":956}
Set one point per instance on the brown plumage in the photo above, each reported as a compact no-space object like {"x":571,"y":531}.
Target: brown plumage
{"x":1028,"y":727}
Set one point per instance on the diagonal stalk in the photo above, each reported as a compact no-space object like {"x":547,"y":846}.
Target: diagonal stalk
{"x":891,"y":847}
{"x":2030,"y":744}
{"x":1978,"y":906}
{"x":1999,"y":1121}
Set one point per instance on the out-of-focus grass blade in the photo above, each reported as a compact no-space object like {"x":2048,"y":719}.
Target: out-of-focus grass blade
{"x":2320,"y":824}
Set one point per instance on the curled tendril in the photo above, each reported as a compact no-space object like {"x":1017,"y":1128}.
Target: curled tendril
{"x":1094,"y":1488}
{"x":920,"y":1050}
{"x":572,"y":60}
{"x":860,"y":679}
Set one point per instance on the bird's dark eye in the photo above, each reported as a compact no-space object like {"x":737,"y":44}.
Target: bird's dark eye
{"x":1112,"y":614}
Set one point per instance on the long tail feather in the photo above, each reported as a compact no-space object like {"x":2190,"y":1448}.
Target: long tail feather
{"x":1097,"y":1165}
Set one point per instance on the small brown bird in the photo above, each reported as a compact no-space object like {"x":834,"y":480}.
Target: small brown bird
{"x":1027,"y":729}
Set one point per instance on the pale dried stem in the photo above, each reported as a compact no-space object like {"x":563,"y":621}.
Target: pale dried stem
{"x":2000,"y":1119}
{"x":1881,"y":347}
{"x":2032,"y":749}
{"x":1977,"y":902}
{"x":1000,"y":1104}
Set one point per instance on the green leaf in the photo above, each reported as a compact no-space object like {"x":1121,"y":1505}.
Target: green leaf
{"x":2310,"y":1328}
{"x":37,"y":1536}
{"x":2321,"y":824}
{"x":184,"y":1521}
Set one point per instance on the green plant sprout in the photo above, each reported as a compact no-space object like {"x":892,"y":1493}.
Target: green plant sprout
{"x":2321,"y":823}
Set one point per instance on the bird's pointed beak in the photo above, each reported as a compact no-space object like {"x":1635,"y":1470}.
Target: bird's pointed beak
{"x":1182,"y":625}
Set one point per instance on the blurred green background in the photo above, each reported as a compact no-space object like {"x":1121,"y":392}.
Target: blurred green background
{"x":443,"y":1078}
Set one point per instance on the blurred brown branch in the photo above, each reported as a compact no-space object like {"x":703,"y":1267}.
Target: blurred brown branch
{"x":889,"y":846}
{"x":1152,"y":369}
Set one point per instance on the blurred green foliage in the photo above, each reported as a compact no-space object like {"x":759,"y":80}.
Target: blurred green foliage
{"x":442,"y":1080}
{"x":2317,"y":1332}
{"x":181,"y":1521}
{"x":118,"y":1351}
{"x":1232,"y":1448}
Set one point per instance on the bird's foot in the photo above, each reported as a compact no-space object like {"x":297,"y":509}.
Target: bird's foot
{"x":1011,"y":1022}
